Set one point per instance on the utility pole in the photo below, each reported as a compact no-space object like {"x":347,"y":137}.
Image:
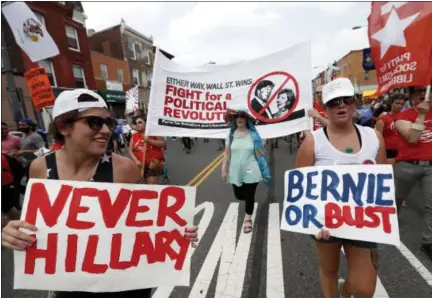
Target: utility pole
{"x":10,"y":83}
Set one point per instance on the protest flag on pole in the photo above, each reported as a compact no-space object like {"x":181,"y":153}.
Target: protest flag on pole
{"x":132,"y":99}
{"x":30,"y":34}
{"x":399,"y":37}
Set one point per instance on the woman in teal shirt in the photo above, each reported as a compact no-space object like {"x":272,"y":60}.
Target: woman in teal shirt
{"x":244,"y":164}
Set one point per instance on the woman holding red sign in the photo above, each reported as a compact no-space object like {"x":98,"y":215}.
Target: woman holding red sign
{"x":343,"y":142}
{"x":147,"y":152}
{"x":82,"y":123}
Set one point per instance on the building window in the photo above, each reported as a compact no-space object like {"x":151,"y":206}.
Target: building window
{"x":62,"y":3}
{"x":132,"y":52}
{"x":120,"y":74}
{"x":104,"y":71}
{"x":148,"y":56}
{"x":49,"y":69}
{"x":78,"y":73}
{"x":72,"y":36}
{"x":135,"y":74}
{"x":40,"y":17}
{"x":149,"y":78}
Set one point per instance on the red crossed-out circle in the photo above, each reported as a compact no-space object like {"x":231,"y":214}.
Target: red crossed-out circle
{"x":251,"y":95}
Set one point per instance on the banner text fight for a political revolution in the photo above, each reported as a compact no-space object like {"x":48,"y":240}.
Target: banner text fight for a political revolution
{"x":102,"y":237}
{"x":351,"y":201}
{"x":275,"y":89}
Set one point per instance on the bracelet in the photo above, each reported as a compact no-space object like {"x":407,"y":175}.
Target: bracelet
{"x":419,"y":127}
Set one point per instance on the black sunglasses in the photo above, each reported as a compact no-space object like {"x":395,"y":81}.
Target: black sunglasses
{"x":240,"y":115}
{"x":96,"y":123}
{"x":338,"y":101}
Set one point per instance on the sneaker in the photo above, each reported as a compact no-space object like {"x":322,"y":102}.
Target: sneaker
{"x":427,"y":249}
{"x":340,"y":283}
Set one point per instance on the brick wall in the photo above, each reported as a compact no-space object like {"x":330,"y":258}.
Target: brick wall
{"x":57,"y":16}
{"x":351,"y":67}
{"x":112,"y":66}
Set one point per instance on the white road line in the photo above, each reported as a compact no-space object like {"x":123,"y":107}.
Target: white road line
{"x":233,"y":264}
{"x":275,"y":279}
{"x":203,"y":280}
{"x":380,"y":291}
{"x":418,"y":266}
{"x":208,"y":207}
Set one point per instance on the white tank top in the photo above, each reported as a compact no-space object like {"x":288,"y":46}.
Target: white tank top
{"x":326,"y":154}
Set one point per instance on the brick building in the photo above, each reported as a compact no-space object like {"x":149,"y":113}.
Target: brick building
{"x":14,"y":52}
{"x":124,"y":43}
{"x":351,"y":67}
{"x":112,"y":79}
{"x":72,"y":68}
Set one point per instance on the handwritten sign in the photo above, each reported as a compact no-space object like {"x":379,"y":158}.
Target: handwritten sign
{"x":352,"y":202}
{"x":40,"y":88}
{"x":103,"y":237}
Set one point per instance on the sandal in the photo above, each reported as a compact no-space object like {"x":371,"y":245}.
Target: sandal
{"x":247,"y":228}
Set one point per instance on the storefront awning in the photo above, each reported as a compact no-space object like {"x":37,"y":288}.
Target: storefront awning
{"x":112,"y":96}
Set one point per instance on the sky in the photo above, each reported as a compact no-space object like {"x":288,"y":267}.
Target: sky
{"x":223,"y":32}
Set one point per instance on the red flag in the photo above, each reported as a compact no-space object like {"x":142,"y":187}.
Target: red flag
{"x":400,"y":38}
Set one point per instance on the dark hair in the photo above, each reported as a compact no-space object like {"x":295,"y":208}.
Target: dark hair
{"x":4,"y":123}
{"x":263,"y":84}
{"x":397,"y":96}
{"x":61,"y":122}
{"x":134,"y":119}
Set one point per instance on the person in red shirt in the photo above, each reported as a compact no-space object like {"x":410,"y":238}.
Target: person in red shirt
{"x":414,"y":159}
{"x":150,"y":148}
{"x":385,"y":125}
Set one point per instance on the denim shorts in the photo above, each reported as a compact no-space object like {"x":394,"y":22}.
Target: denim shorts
{"x":356,"y":243}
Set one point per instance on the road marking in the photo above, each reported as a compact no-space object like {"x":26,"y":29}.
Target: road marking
{"x":233,"y":263}
{"x":418,"y":266}
{"x":216,"y":160}
{"x":208,"y":207}
{"x":211,"y":170}
{"x":275,"y":278}
{"x":203,"y":280}
{"x":380,"y":291}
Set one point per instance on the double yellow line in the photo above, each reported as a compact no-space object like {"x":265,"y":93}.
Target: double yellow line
{"x":201,"y":176}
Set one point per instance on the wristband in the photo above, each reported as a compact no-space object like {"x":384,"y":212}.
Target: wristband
{"x":419,"y":127}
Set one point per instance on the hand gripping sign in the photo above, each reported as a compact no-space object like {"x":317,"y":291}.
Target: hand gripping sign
{"x":103,"y":237}
{"x":352,"y":202}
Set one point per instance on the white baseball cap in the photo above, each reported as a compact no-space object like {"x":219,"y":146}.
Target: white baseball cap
{"x":340,"y":87}
{"x":71,"y":100}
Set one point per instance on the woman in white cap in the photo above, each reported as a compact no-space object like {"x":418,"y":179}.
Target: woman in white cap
{"x":343,"y":142}
{"x":83,"y":124}
{"x":244,"y":164}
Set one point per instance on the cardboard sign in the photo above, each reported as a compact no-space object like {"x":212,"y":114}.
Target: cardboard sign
{"x":40,"y":88}
{"x":351,"y":201}
{"x":192,"y":101}
{"x":104,"y":237}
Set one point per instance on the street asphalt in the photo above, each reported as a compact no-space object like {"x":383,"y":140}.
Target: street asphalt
{"x":267,"y":262}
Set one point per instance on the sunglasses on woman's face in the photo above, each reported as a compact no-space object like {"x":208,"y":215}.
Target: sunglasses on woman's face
{"x":338,"y":101}
{"x":240,"y":115}
{"x":96,"y":123}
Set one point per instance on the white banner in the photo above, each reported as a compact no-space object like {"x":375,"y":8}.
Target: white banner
{"x":105,"y":237}
{"x":276,"y":89}
{"x":30,"y":34}
{"x":354,"y":202}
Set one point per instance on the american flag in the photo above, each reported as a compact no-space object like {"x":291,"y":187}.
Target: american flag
{"x":132,"y":99}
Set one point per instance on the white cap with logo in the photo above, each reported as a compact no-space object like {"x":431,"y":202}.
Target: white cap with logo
{"x":340,"y":87}
{"x":71,"y":100}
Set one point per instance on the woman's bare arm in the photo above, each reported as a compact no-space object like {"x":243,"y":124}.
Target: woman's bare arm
{"x":306,"y":153}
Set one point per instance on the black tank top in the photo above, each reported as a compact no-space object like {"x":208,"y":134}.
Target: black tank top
{"x":104,"y":173}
